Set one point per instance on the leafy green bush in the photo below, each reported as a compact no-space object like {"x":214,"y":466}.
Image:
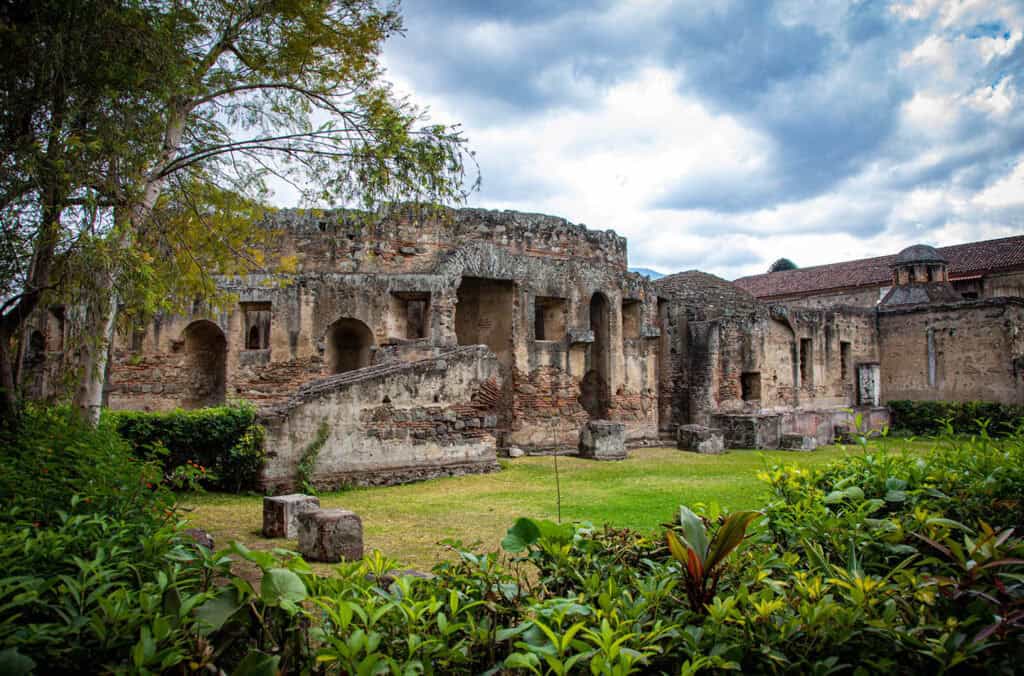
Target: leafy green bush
{"x":932,"y":418}
{"x":885,"y":562}
{"x":51,"y":456}
{"x":225,"y":442}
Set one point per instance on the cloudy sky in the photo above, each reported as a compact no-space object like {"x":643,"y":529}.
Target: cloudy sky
{"x":720,"y":134}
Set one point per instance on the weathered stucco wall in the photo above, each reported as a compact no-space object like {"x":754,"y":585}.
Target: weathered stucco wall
{"x":864,"y":297}
{"x":522,"y":284}
{"x":390,"y":423}
{"x":969,"y":351}
{"x":749,"y":358}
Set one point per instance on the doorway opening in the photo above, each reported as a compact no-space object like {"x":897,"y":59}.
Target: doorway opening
{"x":205,"y":365}
{"x":349,"y":345}
{"x":483,"y":315}
{"x":595,"y":393}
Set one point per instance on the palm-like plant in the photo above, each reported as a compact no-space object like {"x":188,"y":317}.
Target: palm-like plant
{"x":702,"y":558}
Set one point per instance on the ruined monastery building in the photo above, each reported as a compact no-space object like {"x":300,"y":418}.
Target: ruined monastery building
{"x":430,"y":343}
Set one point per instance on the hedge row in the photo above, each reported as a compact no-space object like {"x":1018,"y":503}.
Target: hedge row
{"x":225,"y":441}
{"x":929,"y":418}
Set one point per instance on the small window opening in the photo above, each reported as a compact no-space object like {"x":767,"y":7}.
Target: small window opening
{"x":410,"y":315}
{"x":257,"y":325}
{"x":806,"y":359}
{"x":548,"y":318}
{"x":844,"y":360}
{"x":750,"y":386}
{"x":631,"y":318}
{"x":138,"y":338}
{"x":416,"y":319}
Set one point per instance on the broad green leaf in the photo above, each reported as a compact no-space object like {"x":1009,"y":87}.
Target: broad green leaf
{"x":729,"y":536}
{"x":213,"y":614}
{"x":554,"y":532}
{"x":854,"y":493}
{"x":521,"y":535}
{"x":14,"y":663}
{"x":257,"y":664}
{"x":693,"y":530}
{"x":281,"y":584}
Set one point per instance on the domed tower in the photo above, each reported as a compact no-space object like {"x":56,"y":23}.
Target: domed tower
{"x":920,"y":274}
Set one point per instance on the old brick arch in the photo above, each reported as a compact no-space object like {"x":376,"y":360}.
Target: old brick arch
{"x":349,"y":344}
{"x":205,"y":367}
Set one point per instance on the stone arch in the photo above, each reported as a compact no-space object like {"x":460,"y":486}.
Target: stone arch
{"x":595,"y":390}
{"x":349,"y":345}
{"x":205,"y":366}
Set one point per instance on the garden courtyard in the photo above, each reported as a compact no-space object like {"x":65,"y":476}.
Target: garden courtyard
{"x":408,"y":522}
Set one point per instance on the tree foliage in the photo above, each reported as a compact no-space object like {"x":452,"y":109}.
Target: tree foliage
{"x":139,"y":137}
{"x":781,"y":265}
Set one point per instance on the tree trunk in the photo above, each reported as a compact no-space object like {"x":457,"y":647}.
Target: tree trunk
{"x":95,"y":352}
{"x":8,"y":390}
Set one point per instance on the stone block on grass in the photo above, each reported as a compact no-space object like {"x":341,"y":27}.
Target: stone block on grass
{"x":280,"y":514}
{"x":797,"y":442}
{"x":331,"y":535}
{"x":603,"y":440}
{"x":700,"y":439}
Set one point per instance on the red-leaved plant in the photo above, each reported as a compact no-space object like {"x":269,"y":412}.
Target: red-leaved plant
{"x":702,"y":558}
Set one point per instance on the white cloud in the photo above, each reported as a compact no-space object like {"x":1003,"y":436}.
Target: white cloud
{"x":816,"y":131}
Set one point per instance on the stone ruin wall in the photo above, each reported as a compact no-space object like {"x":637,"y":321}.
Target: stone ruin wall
{"x":969,"y":351}
{"x":754,"y":362}
{"x":498,"y":265}
{"x":407,"y":240}
{"x":864,"y":297}
{"x":390,"y":423}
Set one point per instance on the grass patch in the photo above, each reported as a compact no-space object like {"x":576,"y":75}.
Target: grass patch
{"x":407,"y":522}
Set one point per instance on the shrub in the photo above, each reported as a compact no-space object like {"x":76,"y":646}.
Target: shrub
{"x":51,"y":456}
{"x":884,"y":562}
{"x":225,"y":441}
{"x":933,"y":418}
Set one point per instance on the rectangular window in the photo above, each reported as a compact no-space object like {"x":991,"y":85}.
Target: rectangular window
{"x":806,"y":361}
{"x":632,"y":311}
{"x":416,"y":318}
{"x":750,"y":386}
{"x":548,"y":318}
{"x":409,"y":315}
{"x":138,"y":338}
{"x":256,"y":318}
{"x":844,"y":360}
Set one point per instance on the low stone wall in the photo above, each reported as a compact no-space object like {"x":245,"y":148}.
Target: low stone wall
{"x":765,"y":430}
{"x":390,"y":424}
{"x":749,"y":431}
{"x":821,"y":424}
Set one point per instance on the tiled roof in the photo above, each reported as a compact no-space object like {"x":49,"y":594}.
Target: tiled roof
{"x":706,"y":294}
{"x":964,"y":260}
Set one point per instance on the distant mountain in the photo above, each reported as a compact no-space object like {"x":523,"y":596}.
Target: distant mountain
{"x":647,"y":272}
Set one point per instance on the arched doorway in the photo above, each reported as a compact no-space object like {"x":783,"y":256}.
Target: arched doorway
{"x":595,"y":394}
{"x":205,"y":365}
{"x":349,"y":345}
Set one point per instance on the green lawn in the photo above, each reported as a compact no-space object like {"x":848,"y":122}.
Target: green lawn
{"x":406,"y":522}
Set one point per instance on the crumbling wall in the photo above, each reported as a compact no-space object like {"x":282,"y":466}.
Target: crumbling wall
{"x":410,"y":240}
{"x":520,"y":284}
{"x":390,"y":423}
{"x":862,"y":297}
{"x":968,"y":351}
{"x":752,"y":358}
